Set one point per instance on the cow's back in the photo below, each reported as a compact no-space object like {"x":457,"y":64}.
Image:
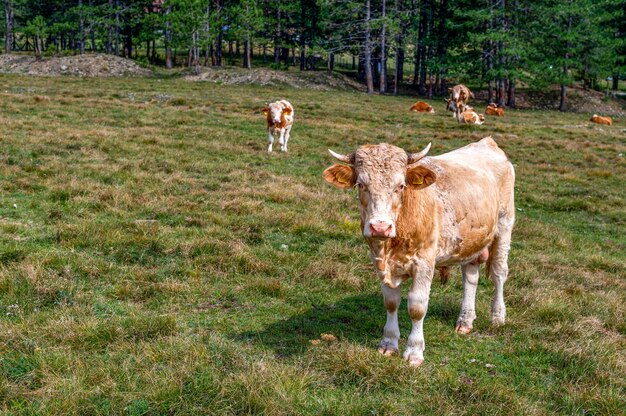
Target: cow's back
{"x":475,"y":188}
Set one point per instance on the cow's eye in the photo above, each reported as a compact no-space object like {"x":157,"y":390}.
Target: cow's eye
{"x":361,"y":186}
{"x":400,"y":187}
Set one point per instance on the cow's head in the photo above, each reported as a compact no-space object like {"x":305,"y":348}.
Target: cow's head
{"x":382,"y":173}
{"x":274,"y":112}
{"x":451,"y":105}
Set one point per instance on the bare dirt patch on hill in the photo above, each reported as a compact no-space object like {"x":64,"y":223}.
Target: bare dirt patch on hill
{"x":316,"y":80}
{"x":579,"y":100}
{"x":87,"y":65}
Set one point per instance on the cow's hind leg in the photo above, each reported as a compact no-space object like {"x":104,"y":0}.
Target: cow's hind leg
{"x":391,"y":333}
{"x":499,"y":269}
{"x":465,"y":323}
{"x":270,"y":141}
{"x":418,"y":305}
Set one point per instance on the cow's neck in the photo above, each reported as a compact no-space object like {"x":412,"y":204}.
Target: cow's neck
{"x":415,"y":235}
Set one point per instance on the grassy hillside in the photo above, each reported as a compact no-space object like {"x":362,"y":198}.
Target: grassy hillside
{"x":154,"y":259}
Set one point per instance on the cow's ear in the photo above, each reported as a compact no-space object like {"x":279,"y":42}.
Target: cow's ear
{"x":287,"y":110}
{"x":419,"y":177}
{"x":265,"y":111}
{"x":341,"y":176}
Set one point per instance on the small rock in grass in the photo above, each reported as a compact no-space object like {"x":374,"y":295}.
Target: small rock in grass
{"x":328,"y":337}
{"x":284,"y":247}
{"x":490,"y":365}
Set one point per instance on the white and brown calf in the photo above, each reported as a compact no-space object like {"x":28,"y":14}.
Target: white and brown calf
{"x":280,"y":117}
{"x":422,"y":213}
{"x":466,"y":114}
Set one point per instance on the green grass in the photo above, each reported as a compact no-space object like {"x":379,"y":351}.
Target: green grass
{"x":143,"y":267}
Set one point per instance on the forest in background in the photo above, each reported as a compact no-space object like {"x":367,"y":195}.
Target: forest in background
{"x":498,"y":43}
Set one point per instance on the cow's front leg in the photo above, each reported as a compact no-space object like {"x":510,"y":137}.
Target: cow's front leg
{"x":418,"y":304}
{"x":391,"y":333}
{"x":270,"y":140}
{"x":287,"y":133}
{"x":465,"y":323}
{"x":281,"y":141}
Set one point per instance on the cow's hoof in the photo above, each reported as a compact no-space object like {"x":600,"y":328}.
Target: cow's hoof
{"x":463,"y":329}
{"x":414,"y":357}
{"x":387,"y":348}
{"x":497,"y":320}
{"x":416,"y":362}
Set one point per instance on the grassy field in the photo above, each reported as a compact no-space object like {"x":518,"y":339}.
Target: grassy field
{"x":154,"y":259}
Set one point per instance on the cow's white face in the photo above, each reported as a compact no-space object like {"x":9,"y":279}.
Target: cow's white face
{"x":276,"y":112}
{"x":381,"y":174}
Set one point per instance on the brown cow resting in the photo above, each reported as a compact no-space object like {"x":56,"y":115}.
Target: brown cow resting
{"x":422,"y":213}
{"x":422,"y":107}
{"x":494,"y":110}
{"x":601,"y":120}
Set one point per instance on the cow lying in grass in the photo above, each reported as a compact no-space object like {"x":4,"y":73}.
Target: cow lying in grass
{"x":459,"y":94}
{"x":422,"y":213}
{"x":466,"y":114}
{"x":494,"y":110}
{"x":601,"y":120}
{"x":422,"y":107}
{"x":279,"y":121}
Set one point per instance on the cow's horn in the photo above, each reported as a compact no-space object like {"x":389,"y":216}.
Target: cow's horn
{"x":344,"y":158}
{"x":414,"y":157}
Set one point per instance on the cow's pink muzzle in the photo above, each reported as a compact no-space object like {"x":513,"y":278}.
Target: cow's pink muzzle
{"x":380,"y":229}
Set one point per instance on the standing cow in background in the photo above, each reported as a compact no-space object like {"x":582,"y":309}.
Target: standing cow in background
{"x":422,"y":213}
{"x":279,"y":121}
{"x":459,"y":94}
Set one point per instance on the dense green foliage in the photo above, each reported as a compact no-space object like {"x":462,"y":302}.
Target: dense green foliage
{"x":497,"y":41}
{"x":156,"y":260}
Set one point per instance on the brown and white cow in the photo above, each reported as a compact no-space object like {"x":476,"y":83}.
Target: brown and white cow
{"x":494,"y":110}
{"x":466,"y":114}
{"x":601,"y":120}
{"x":422,"y":107}
{"x":279,"y":121}
{"x":422,"y":213}
{"x":459,"y":94}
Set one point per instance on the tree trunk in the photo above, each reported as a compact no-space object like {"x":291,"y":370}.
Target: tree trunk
{"x":220,"y":35}
{"x":247,"y":57}
{"x":615,"y":81}
{"x":277,"y":35}
{"x":442,"y":46}
{"x":9,"y":15}
{"x":117,"y":28}
{"x":511,"y":98}
{"x":264,"y":54}
{"x":331,"y":61}
{"x":383,"y":53}
{"x":109,"y":44}
{"x":168,"y":40}
{"x":81,"y":29}
{"x":369,"y":80}
{"x":563,"y":103}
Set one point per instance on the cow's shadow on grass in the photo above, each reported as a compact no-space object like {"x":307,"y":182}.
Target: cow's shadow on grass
{"x":359,"y":319}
